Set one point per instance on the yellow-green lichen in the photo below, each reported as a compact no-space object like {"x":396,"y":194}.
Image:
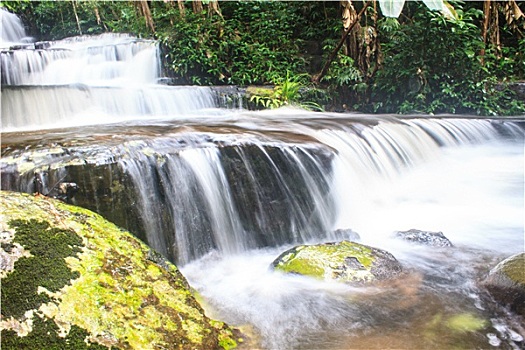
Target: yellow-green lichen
{"x":514,"y":268}
{"x":465,"y":322}
{"x":329,"y":261}
{"x":116,"y":296}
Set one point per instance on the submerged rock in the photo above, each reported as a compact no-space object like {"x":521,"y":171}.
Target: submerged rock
{"x":345,"y":261}
{"x":506,"y":283}
{"x":434,"y":239}
{"x":72,"y":280}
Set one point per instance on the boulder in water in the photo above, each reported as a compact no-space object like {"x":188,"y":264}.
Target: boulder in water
{"x":347,"y":234}
{"x":434,"y":239}
{"x":72,"y":280}
{"x":344,"y":261}
{"x":506,"y":283}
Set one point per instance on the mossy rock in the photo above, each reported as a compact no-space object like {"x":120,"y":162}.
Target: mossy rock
{"x":506,"y":283}
{"x":265,"y":91}
{"x":72,"y":280}
{"x":345,"y":261}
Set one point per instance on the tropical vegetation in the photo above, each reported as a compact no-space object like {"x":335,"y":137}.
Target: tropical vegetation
{"x":384,"y":56}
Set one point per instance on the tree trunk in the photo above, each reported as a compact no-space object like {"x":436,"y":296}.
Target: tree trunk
{"x":197,"y":6}
{"x":73,"y":3}
{"x":214,"y":6}
{"x":317,"y":77}
{"x":182,"y":9}
{"x":143,"y":7}
{"x":348,"y":16}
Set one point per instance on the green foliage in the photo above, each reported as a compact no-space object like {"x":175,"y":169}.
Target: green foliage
{"x":287,"y":92}
{"x":51,"y":20}
{"x":508,"y":62}
{"x":432,"y":65}
{"x":343,"y":72}
{"x":253,"y":43}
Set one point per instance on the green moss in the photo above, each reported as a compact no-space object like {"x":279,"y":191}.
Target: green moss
{"x":226,"y":342}
{"x":45,"y":336}
{"x":103,"y":280}
{"x":45,"y":268}
{"x":514,"y":268}
{"x":328,"y":261}
{"x":302,"y":265}
{"x":465,"y":323}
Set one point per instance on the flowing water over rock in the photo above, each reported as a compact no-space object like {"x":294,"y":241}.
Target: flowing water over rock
{"x":225,"y":192}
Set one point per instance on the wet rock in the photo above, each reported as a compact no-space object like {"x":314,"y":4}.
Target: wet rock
{"x":73,"y":280}
{"x":347,"y":234}
{"x":434,"y":239}
{"x":42,"y":45}
{"x":506,"y":283}
{"x":66,"y":191}
{"x":345,"y":261}
{"x":127,"y":183}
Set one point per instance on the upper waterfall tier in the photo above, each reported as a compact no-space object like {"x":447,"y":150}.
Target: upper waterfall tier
{"x":37,"y":107}
{"x":102,"y":60}
{"x":13,"y":31}
{"x":86,"y":80}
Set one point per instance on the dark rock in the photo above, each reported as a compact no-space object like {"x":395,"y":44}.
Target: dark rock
{"x":434,"y":239}
{"x":42,"y":45}
{"x":67,"y":191}
{"x":347,"y":234}
{"x":22,"y":47}
{"x":345,"y":261}
{"x":506,"y":283}
{"x":107,"y":176}
{"x":518,"y":88}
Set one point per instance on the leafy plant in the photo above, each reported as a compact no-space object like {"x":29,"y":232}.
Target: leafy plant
{"x":432,"y":65}
{"x":287,"y":92}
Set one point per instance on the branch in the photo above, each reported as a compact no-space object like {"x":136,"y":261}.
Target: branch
{"x":317,"y":77}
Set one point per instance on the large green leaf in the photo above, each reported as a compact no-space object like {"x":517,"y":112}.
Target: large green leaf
{"x":434,"y":4}
{"x":391,"y":8}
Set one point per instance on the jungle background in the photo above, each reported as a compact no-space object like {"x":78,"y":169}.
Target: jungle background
{"x":469,"y":61}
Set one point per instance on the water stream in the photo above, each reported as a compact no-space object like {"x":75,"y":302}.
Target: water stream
{"x":223,"y":192}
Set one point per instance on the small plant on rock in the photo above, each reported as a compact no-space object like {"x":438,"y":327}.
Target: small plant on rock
{"x":287,"y":92}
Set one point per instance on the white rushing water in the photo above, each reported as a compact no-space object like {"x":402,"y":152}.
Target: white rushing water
{"x":473,"y":194}
{"x":86,"y":80}
{"x":12,"y":31}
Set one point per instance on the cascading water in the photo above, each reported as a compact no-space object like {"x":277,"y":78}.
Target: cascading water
{"x":13,"y":31}
{"x":224,"y":192}
{"x":86,"y":80}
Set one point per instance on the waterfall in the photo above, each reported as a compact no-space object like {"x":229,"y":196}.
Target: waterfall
{"x":193,"y":192}
{"x":75,"y":105}
{"x":86,"y":80}
{"x":13,"y":31}
{"x":101,"y":60}
{"x":228,"y":197}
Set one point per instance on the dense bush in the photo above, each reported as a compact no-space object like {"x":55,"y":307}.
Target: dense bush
{"x":432,"y":65}
{"x":252,"y":43}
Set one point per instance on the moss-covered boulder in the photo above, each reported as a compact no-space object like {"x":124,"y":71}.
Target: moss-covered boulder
{"x":72,"y":280}
{"x":345,"y":261}
{"x":506,"y":283}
